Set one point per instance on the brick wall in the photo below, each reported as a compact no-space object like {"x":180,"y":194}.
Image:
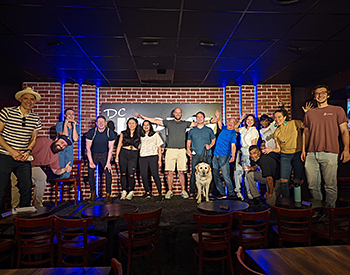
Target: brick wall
{"x":50,"y":105}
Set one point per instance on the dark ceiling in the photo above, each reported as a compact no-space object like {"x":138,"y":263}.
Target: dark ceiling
{"x":158,"y":42}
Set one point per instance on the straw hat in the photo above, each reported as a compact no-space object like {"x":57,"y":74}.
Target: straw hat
{"x":27,"y":90}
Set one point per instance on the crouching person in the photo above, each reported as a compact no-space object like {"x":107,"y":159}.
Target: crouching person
{"x":265,"y":170}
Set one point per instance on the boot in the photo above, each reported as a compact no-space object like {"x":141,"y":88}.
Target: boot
{"x":93,"y":196}
{"x":108,"y":198}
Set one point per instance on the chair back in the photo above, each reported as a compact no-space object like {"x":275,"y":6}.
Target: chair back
{"x":142,"y":228}
{"x":72,"y":239}
{"x":253,"y":228}
{"x":35,"y":236}
{"x":241,"y":266}
{"x":214,"y":231}
{"x":294,"y":225}
{"x":117,"y":267}
{"x":339,"y":219}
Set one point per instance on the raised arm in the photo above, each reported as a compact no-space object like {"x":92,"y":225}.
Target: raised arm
{"x":308,"y":106}
{"x":151,"y":119}
{"x":239,"y":122}
{"x":217,"y":116}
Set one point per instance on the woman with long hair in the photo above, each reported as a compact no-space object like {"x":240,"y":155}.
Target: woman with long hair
{"x":150,"y":156}
{"x":127,"y":154}
{"x":249,"y":136}
{"x":288,"y":137}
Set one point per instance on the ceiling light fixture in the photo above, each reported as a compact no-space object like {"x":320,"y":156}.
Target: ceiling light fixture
{"x":150,"y":42}
{"x":207,"y":43}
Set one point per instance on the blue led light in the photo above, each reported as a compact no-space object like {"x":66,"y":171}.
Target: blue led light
{"x":97,"y":114}
{"x":224,"y":105}
{"x":240,"y":100}
{"x":62,"y":102}
{"x":256,"y":102}
{"x":79,"y":128}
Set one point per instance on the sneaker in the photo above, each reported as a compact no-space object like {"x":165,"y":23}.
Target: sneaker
{"x":130,"y":195}
{"x":184,"y":194}
{"x":123,"y":195}
{"x":191,"y":197}
{"x":147,"y":195}
{"x":250,"y":196}
{"x":239,"y":195}
{"x":169,"y":195}
{"x":221,"y":197}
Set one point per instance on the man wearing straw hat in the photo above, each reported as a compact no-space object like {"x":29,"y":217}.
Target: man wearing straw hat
{"x":19,"y":127}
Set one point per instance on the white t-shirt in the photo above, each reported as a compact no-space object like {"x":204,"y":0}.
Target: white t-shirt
{"x":267,"y":135}
{"x":248,"y":135}
{"x":149,"y":145}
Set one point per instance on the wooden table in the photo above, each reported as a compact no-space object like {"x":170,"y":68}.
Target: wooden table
{"x":110,"y":213}
{"x":213,"y":207}
{"x":41,"y":212}
{"x":316,"y":260}
{"x":58,"y":271}
{"x":290,"y":203}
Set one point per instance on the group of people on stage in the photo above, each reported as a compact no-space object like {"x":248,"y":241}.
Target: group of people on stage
{"x":285,"y":145}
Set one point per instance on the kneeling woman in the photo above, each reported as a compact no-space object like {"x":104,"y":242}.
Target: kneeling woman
{"x":127,"y":155}
{"x":150,"y":156}
{"x":288,"y":137}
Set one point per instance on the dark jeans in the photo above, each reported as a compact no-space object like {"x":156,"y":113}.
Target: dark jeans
{"x":102,"y":159}
{"x":289,"y":161}
{"x":127,"y":164}
{"x":23,"y":172}
{"x":196,"y":159}
{"x":152,"y":163}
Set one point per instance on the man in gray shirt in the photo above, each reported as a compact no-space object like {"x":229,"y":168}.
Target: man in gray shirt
{"x":176,"y":148}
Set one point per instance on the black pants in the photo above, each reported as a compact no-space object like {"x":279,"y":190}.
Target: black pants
{"x":127,"y":164}
{"x":23,"y":172}
{"x":102,"y":159}
{"x":152,"y":163}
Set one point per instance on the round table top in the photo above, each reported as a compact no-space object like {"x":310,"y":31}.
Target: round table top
{"x":105,"y":212}
{"x":40,"y":212}
{"x":213,"y":207}
{"x":290,"y":203}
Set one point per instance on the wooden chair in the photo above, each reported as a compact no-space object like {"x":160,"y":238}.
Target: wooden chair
{"x":337,"y":228}
{"x":253,"y":228}
{"x":142,"y":234}
{"x":344,"y":189}
{"x":35,"y":237}
{"x":117,"y":267}
{"x":73,"y":179}
{"x":6,"y":251}
{"x":74,"y":243}
{"x":213,"y":237}
{"x":293,"y":225}
{"x":241,"y":267}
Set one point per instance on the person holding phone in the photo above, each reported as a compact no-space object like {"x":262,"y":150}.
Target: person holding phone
{"x":69,"y":128}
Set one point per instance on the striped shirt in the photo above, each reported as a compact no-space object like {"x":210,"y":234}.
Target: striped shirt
{"x":14,"y":134}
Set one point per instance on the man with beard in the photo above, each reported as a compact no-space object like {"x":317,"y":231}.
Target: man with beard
{"x":45,"y":154}
{"x":320,"y":144}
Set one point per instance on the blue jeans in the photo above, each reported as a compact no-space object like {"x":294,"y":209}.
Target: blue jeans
{"x":23,"y":172}
{"x":196,"y":160}
{"x":242,"y":160}
{"x":327,"y":163}
{"x":289,"y":161}
{"x":65,"y":156}
{"x":223,"y":164}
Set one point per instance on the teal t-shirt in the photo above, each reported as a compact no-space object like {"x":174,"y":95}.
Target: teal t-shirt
{"x":199,"y":138}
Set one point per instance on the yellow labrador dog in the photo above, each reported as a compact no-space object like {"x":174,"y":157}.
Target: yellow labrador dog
{"x":203,"y":179}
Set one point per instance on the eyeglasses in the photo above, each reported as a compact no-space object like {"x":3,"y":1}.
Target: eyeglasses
{"x":24,"y":122}
{"x":320,"y":93}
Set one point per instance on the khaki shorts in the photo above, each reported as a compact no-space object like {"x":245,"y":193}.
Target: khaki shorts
{"x":175,"y":157}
